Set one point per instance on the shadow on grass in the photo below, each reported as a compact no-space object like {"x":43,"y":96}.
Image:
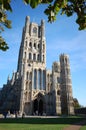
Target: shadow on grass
{"x":33,"y":120}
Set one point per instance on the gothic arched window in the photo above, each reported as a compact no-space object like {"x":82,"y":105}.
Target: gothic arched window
{"x":27,"y":75}
{"x":44,"y":79}
{"x":38,"y":58}
{"x":30,"y":56}
{"x":30,"y":44}
{"x":30,"y":76}
{"x":35,"y":78}
{"x":39,"y":79}
{"x":34,"y":57}
{"x":35,"y":45}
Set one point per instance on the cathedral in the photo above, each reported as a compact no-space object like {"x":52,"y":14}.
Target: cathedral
{"x":33,"y":89}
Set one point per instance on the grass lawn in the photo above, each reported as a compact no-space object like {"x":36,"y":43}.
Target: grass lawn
{"x":15,"y":126}
{"x":38,"y":123}
{"x":83,"y":128}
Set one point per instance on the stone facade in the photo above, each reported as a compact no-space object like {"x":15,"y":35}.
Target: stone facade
{"x":33,"y":89}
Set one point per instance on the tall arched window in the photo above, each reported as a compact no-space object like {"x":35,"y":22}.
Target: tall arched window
{"x":35,"y":45}
{"x":43,"y":58}
{"x":30,"y":56}
{"x":44,"y":79}
{"x":30,"y":86}
{"x":48,"y":77}
{"x":27,"y":76}
{"x":34,"y":57}
{"x":26,"y":86}
{"x":30,"y":44}
{"x":26,"y":44}
{"x":25,"y":55}
{"x":39,"y":79}
{"x":30,"y":76}
{"x":38,"y":58}
{"x":35,"y":78}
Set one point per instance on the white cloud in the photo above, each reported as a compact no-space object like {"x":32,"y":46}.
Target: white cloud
{"x":76,"y":48}
{"x":75,"y":44}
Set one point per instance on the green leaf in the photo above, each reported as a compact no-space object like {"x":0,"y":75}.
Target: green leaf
{"x":46,"y":1}
{"x":3,"y":44}
{"x":7,"y":6}
{"x":34,"y":3}
{"x":27,"y":1}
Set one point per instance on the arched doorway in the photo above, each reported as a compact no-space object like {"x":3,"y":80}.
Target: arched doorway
{"x":35,"y":106}
{"x":40,"y":110}
{"x":38,"y":107}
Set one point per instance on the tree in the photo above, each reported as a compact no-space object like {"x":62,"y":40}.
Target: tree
{"x":4,"y":22}
{"x":68,"y":7}
{"x":76,"y":103}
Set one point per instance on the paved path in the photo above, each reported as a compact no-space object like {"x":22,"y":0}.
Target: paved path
{"x":76,"y":126}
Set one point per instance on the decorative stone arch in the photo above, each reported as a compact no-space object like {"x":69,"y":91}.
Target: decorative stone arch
{"x":38,"y":104}
{"x":27,"y":108}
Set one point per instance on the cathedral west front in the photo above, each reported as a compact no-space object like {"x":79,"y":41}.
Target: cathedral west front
{"x":33,"y":89}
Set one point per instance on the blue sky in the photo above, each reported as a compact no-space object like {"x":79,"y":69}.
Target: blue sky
{"x":62,"y":36}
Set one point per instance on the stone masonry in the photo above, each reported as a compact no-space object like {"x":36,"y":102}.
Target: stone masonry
{"x":33,"y":89}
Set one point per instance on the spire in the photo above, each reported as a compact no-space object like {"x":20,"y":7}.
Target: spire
{"x":27,"y":22}
{"x":13,"y":77}
{"x":42,"y":28}
{"x":8,"y":79}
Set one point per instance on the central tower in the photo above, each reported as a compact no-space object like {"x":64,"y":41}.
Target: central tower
{"x":32,"y":63}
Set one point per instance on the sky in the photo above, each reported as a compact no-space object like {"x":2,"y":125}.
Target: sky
{"x":62,"y":36}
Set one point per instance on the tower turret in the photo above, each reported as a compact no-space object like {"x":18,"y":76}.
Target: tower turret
{"x":27,"y":23}
{"x":42,"y":28}
{"x":8,"y":79}
{"x":66,"y":85}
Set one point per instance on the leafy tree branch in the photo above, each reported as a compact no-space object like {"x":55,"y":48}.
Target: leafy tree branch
{"x":67,"y":7}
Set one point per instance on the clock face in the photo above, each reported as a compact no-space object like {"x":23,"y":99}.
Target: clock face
{"x":35,"y":31}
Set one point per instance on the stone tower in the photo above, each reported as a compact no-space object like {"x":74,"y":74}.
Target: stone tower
{"x":56,"y":86}
{"x":32,"y":63}
{"x":66,"y":86}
